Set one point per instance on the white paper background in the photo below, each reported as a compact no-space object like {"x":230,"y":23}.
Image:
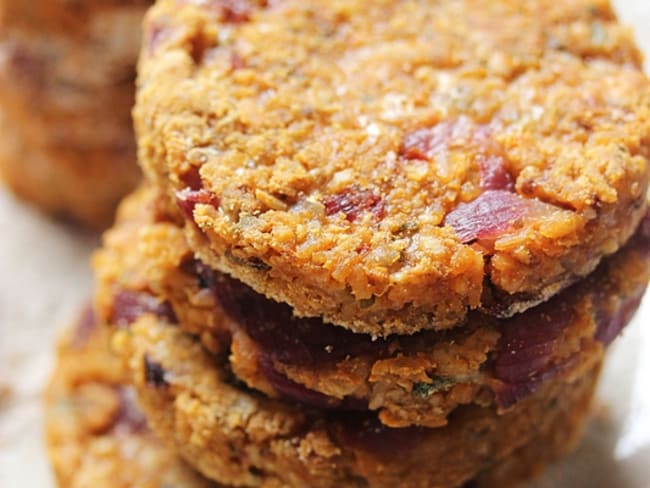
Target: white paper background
{"x":44,"y":280}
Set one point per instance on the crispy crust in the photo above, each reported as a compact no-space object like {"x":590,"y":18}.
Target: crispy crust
{"x":85,"y":450}
{"x":328,"y":198}
{"x":236,"y":436}
{"x":66,"y":90}
{"x":91,"y":439}
{"x":417,"y":380}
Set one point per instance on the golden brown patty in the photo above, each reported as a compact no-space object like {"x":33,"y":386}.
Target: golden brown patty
{"x":390,"y":165}
{"x":67,"y":75}
{"x":96,"y":435}
{"x":409,"y":380}
{"x":240,"y":437}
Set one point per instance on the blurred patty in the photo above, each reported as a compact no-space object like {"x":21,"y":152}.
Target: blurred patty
{"x":67,"y":73}
{"x":95,"y":433}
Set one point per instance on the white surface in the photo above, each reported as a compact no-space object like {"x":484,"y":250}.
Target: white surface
{"x":44,"y":279}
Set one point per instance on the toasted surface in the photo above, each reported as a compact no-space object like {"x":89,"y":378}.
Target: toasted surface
{"x":391,"y":164}
{"x":414,"y":380}
{"x":96,"y":435}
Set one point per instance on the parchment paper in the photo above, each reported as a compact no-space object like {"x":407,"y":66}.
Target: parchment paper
{"x":45,"y":279}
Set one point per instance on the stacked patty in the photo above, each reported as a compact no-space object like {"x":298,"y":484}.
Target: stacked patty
{"x":379,"y":243}
{"x":98,"y":436}
{"x":67,"y":73}
{"x":391,"y":166}
{"x":253,"y":396}
{"x":96,"y":433}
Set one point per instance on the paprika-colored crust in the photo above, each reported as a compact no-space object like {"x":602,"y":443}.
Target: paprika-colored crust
{"x":390,"y":165}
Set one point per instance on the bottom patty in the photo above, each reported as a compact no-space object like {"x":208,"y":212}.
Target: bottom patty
{"x":239,"y":436}
{"x":96,"y":434}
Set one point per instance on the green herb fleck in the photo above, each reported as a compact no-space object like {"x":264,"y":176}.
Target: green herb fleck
{"x":438,"y":383}
{"x":407,"y":228}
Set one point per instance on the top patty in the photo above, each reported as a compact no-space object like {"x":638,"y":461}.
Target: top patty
{"x":389,"y":165}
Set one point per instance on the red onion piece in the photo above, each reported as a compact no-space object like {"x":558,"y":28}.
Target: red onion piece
{"x":431,"y":141}
{"x":192,"y":178}
{"x":612,"y":319}
{"x":613,"y":313}
{"x":366,"y":433}
{"x":524,"y":353}
{"x":284,"y":337}
{"x":523,"y":359}
{"x":129,"y":306}
{"x":187,"y":199}
{"x":491,"y":215}
{"x":528,"y":339}
{"x":353,"y":202}
{"x":494,"y":175}
{"x":508,"y":394}
{"x":296,"y":391}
